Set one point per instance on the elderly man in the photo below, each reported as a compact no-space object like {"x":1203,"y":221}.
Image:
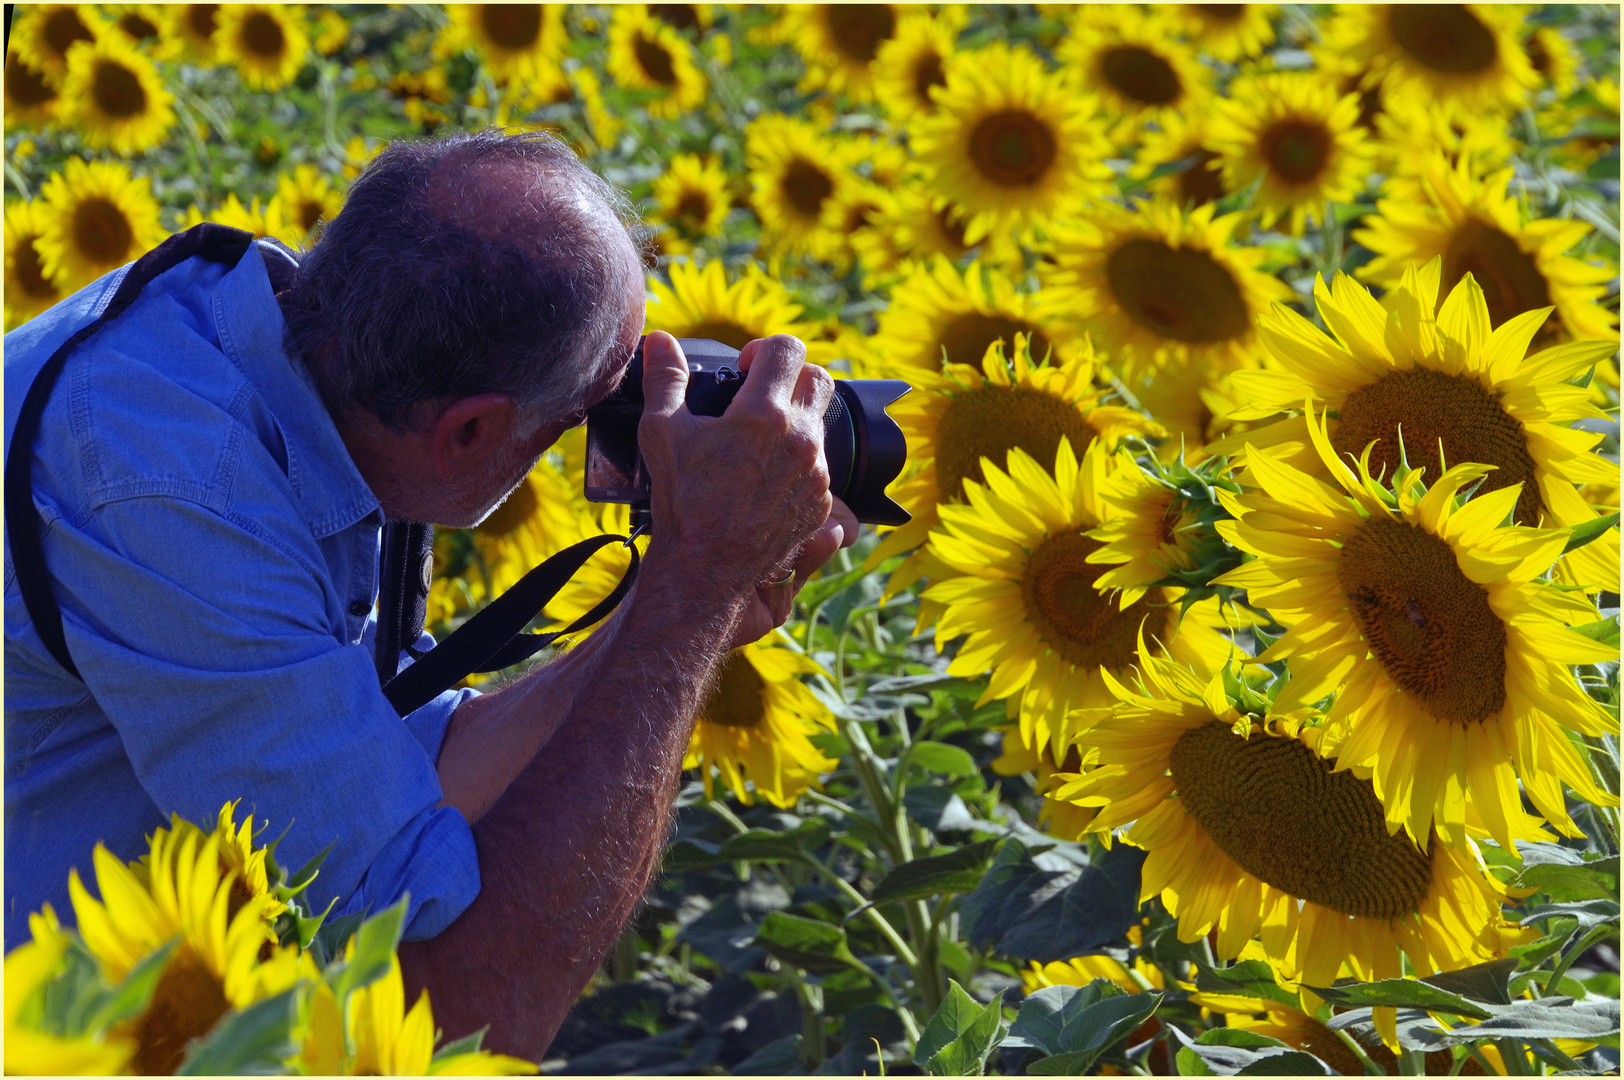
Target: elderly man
{"x":211,"y":474}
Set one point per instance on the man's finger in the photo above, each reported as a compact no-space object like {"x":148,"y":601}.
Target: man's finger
{"x":665,"y":375}
{"x":771,"y":365}
{"x":841,"y":514}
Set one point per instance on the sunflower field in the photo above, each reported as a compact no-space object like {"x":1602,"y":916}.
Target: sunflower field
{"x":1243,"y":695}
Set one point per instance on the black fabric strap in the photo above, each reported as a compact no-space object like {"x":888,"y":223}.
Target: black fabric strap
{"x":216,"y":243}
{"x":492,"y":639}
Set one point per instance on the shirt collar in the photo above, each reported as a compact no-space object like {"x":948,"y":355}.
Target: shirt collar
{"x":328,"y":489}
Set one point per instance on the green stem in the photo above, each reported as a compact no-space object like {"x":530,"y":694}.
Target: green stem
{"x":904,"y":952}
{"x":811,"y":1020}
{"x":1596,"y":933}
{"x":1371,"y":1068}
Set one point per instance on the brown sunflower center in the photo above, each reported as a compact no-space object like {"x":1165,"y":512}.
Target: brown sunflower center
{"x":1012,"y":148}
{"x":62,"y":29}
{"x":1179,"y":293}
{"x":1430,"y":407}
{"x":692,"y":210}
{"x":993,"y":420}
{"x":1276,"y":808}
{"x":1430,"y":626}
{"x":1509,"y":277}
{"x":186,"y":1004}
{"x":678,"y":16}
{"x":1140,"y":75}
{"x":858,"y":30}
{"x":859,"y":214}
{"x":728,"y":333}
{"x":201,"y":19}
{"x":966,"y":338}
{"x":927,"y":72}
{"x":262,"y":35}
{"x":740,"y":697}
{"x":1221,"y":14}
{"x":1202,"y":182}
{"x":28,"y":272}
{"x":24,"y":85}
{"x":1296,"y":150}
{"x":511,"y":26}
{"x":519,"y":507}
{"x":1081,"y":623}
{"x":1444,"y":37}
{"x":655,"y":61}
{"x":950,"y":231}
{"x":805,"y":187}
{"x":117,"y":91}
{"x":1539,"y":58}
{"x":136,"y":27}
{"x":101,"y":232}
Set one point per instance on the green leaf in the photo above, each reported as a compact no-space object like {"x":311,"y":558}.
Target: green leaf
{"x":1253,"y":978}
{"x":766,"y":845}
{"x":781,"y":1057}
{"x":1588,"y":912}
{"x":1537,"y":952}
{"x":1602,"y":630}
{"x":134,"y":993}
{"x":960,"y":1035}
{"x":303,"y":876}
{"x":690,"y":855}
{"x":375,"y":945}
{"x":1237,"y":1052}
{"x":1030,"y":913}
{"x":468,"y":1044}
{"x":256,"y":1041}
{"x":942,"y":758}
{"x":937,"y":808}
{"x":815,"y":946}
{"x":1046,"y":1012}
{"x":1403,"y":994}
{"x":1484,"y":982}
{"x":910,"y":682}
{"x":1090,"y":1031}
{"x":1593,"y":1020}
{"x":328,"y":944}
{"x":1583,"y":533}
{"x":957,"y":871}
{"x":1598,"y":881}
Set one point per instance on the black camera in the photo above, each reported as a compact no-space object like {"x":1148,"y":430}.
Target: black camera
{"x":863,"y":446}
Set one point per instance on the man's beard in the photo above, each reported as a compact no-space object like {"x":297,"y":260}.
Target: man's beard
{"x":507,"y":491}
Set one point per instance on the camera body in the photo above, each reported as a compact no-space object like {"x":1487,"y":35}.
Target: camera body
{"x":863,"y":446}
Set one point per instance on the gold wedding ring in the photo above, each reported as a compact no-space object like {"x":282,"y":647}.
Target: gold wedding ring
{"x":787,"y":579}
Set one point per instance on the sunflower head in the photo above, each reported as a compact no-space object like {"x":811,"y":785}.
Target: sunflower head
{"x":647,"y":54}
{"x":912,"y":66}
{"x":266,"y":42}
{"x":114,"y":96}
{"x":1131,"y":63}
{"x":28,"y":290}
{"x":100,"y":217}
{"x":701,"y":302}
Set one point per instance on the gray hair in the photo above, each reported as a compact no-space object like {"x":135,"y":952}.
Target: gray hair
{"x":400,"y":304}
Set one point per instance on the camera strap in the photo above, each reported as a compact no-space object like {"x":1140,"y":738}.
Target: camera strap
{"x":488,"y":641}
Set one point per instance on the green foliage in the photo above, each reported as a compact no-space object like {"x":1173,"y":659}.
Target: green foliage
{"x":960,"y":1035}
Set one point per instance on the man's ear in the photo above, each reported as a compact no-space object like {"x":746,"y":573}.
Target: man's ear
{"x":470,"y":432}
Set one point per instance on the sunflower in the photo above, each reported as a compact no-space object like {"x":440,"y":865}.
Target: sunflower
{"x":260,"y":220}
{"x":31,"y":101}
{"x":304,"y":200}
{"x":1251,"y":831}
{"x":858,"y":207}
{"x":1157,"y":286}
{"x":1451,"y":389}
{"x":907,"y":230}
{"x":1553,"y":59}
{"x":839,"y":43}
{"x":1425,"y":616}
{"x":913,"y":65}
{"x":1082,"y":970}
{"x":520,"y":44}
{"x":376,"y":1035}
{"x":29,"y":1051}
{"x":239,"y":858}
{"x":221,"y":961}
{"x":44,"y":34}
{"x":29,"y":290}
{"x":147,"y":27}
{"x":266,"y":42}
{"x":753,"y":729}
{"x":700,"y":303}
{"x":1065,"y":820}
{"x":604,"y":125}
{"x":1465,"y":57}
{"x":113,"y":95}
{"x":1414,"y":139}
{"x":332,"y":31}
{"x":693,"y":199}
{"x":1297,"y":139}
{"x":1192,"y":402}
{"x":794,"y":171}
{"x":1476,"y":227}
{"x":1184,"y":143}
{"x":684,"y":17}
{"x":1149,"y":533}
{"x":1231,"y":32}
{"x":357,"y":153}
{"x":1020,"y":585}
{"x":1128,"y":61}
{"x":647,"y":54}
{"x":197,"y":26}
{"x":1010,"y":146}
{"x":99,"y":217}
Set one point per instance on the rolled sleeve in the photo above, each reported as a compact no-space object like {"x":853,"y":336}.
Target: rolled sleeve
{"x":432,"y":860}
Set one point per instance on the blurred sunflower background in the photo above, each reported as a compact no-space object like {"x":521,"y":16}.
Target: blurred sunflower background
{"x":1252,"y":653}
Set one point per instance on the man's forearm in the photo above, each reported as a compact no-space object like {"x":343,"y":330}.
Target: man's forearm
{"x":566,"y":853}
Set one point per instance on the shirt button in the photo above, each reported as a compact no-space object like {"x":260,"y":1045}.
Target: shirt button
{"x":360,"y":608}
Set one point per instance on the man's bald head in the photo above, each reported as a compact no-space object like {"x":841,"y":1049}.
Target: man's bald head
{"x":482,"y":263}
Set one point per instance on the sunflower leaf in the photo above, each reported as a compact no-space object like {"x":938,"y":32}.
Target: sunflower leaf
{"x":1598,"y":881}
{"x":1029,"y":913}
{"x":375,"y":945}
{"x":256,"y":1041}
{"x":957,"y":871}
{"x":1583,"y":533}
{"x":1401,"y":993}
{"x":1238,"y":1052}
{"x":960,"y":1035}
{"x":1537,"y":952}
{"x":815,"y":946}
{"x":1588,"y":912}
{"x":1253,"y":978}
{"x":468,"y":1044}
{"x":942,"y":758}
{"x":1602,"y":630}
{"x":1484,"y":982}
{"x":769,"y":846}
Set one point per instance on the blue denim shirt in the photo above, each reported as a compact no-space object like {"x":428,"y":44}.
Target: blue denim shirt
{"x":215,"y":554}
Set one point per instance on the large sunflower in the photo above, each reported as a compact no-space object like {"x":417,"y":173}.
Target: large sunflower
{"x":29,"y":290}
{"x":754,"y":725}
{"x":701,"y":303}
{"x":29,"y":1051}
{"x":1466,"y":57}
{"x":1231,"y":32}
{"x":266,"y":43}
{"x":913,"y":65}
{"x":1425,"y":616}
{"x":31,"y":101}
{"x":1452,"y":390}
{"x":1018,"y":582}
{"x":647,"y":54}
{"x":1476,"y":227}
{"x":794,"y":171}
{"x":305,"y":199}
{"x":113,"y":95}
{"x":521,"y":44}
{"x":197,"y":26}
{"x":839,"y":43}
{"x":1292,"y":135}
{"x":99,"y":218}
{"x":693,"y":199}
{"x":44,"y":33}
{"x":1155,"y":285}
{"x":908,"y":230}
{"x":1250,"y":831}
{"x":1010,"y":145}
{"x":1128,"y":60}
